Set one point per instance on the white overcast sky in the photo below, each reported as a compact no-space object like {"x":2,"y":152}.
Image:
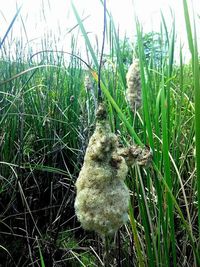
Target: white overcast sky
{"x":43,"y":16}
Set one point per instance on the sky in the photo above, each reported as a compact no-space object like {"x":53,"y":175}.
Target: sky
{"x":50,"y":18}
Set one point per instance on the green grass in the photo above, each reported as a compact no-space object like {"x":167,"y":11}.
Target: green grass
{"x":46,"y":119}
{"x":192,"y":41}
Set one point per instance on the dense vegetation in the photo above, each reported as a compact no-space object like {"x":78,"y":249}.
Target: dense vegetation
{"x":47,"y":114}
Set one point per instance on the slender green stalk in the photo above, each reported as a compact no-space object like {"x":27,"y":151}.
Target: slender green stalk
{"x":167,"y":173}
{"x":192,"y":41}
{"x":88,"y":43}
{"x":197,"y":120}
{"x":10,"y":26}
{"x":185,"y":223}
{"x":144,"y":88}
{"x":106,"y":251}
{"x":135,"y":236}
{"x":41,"y":256}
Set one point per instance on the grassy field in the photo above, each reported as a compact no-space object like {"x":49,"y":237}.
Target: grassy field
{"x":47,"y":115}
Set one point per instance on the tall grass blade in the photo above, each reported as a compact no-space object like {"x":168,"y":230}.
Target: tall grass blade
{"x":188,"y":27}
{"x":197,"y":118}
{"x":144,"y":87}
{"x":196,"y":73}
{"x":88,"y":43}
{"x":167,"y":173}
{"x":135,"y":236}
{"x":41,"y":256}
{"x":185,"y":223}
{"x":10,"y":26}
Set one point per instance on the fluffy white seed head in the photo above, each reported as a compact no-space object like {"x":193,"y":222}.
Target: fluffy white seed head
{"x":133,"y":92}
{"x":88,"y":83}
{"x":102,"y":197}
